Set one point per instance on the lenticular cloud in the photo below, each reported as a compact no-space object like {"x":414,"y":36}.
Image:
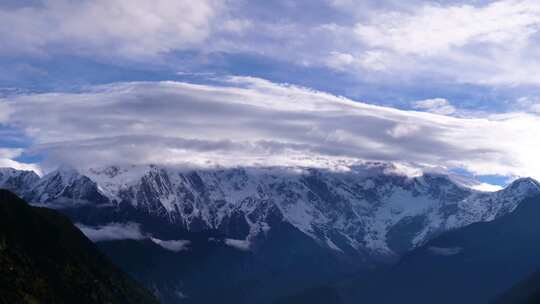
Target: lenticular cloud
{"x":244,"y":120}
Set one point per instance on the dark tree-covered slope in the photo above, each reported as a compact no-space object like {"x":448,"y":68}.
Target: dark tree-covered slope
{"x":44,"y":258}
{"x":525,"y":292}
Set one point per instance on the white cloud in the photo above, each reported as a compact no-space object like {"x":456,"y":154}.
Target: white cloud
{"x":10,"y":152}
{"x":129,"y":28}
{"x":173,"y":245}
{"x":253,"y":121}
{"x":237,"y":26}
{"x":435,"y":105}
{"x":4,"y":112}
{"x":128,"y":231}
{"x":494,"y":43}
{"x":6,"y":160}
{"x":528,"y":103}
{"x":112,"y":231}
{"x":490,"y":44}
{"x":403,"y":130}
{"x":370,"y":60}
{"x":238,"y":244}
{"x":486,"y":187}
{"x":9,"y":163}
{"x":431,"y":29}
{"x":340,"y":61}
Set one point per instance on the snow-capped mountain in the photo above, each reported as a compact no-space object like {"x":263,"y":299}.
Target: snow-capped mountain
{"x":65,"y":185}
{"x":470,"y":265}
{"x":17,"y":180}
{"x":370,"y":208}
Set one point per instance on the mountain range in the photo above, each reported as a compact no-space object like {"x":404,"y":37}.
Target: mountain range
{"x":473,"y":264}
{"x":269,"y":227}
{"x":370,"y":209}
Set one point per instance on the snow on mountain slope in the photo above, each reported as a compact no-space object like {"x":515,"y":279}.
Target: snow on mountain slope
{"x":370,"y":207}
{"x":64,"y":186}
{"x":17,"y":180}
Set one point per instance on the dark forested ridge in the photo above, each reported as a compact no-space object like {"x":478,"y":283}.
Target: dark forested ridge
{"x":525,"y":292}
{"x":44,"y":258}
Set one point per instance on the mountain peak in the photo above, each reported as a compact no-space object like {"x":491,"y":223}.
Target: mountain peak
{"x":13,"y":179}
{"x":524,"y":184}
{"x":8,"y":171}
{"x":67,"y":172}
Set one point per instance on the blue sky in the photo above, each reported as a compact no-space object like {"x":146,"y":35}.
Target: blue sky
{"x":469,"y":64}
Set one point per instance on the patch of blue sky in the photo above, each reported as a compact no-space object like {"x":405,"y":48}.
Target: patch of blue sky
{"x":498,"y":180}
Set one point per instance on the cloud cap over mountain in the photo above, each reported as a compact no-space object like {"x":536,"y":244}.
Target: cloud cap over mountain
{"x":244,"y":120}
